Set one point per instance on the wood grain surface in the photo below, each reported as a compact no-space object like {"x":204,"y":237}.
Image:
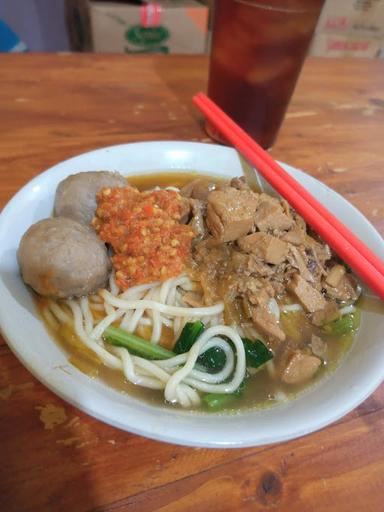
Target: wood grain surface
{"x":53,"y":107}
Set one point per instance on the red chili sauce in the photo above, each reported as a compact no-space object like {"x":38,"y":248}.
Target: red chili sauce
{"x":145,"y":232}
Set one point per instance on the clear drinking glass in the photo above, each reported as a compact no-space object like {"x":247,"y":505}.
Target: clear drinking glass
{"x":258,"y":48}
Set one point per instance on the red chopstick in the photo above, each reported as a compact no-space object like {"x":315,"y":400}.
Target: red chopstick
{"x":360,"y":258}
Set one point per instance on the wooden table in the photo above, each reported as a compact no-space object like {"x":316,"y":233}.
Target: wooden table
{"x":55,"y":106}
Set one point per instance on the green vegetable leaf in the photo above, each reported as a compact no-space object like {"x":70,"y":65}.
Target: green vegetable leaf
{"x":135,"y":345}
{"x":190,"y":333}
{"x":213,"y":359}
{"x":256,"y":353}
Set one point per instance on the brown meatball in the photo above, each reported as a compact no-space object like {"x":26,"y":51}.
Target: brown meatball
{"x":76,"y":195}
{"x":62,"y":258}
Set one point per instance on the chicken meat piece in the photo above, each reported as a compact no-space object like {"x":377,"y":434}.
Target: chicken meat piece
{"x":299,"y":260}
{"x":267,"y":247}
{"x":186,"y":209}
{"x":240,"y":183}
{"x":345,"y":291}
{"x":230,"y":213}
{"x":319,"y":347}
{"x":319,"y":250}
{"x":311,"y":299}
{"x":198,"y":189}
{"x":300,"y":368}
{"x":329,"y":313}
{"x":267,"y":323}
{"x":270,"y":215}
{"x":335,"y":275}
{"x":294,"y":236}
{"x":197,"y":222}
{"x":193,"y":299}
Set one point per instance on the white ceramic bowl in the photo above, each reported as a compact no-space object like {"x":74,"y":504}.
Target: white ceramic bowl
{"x":358,"y":375}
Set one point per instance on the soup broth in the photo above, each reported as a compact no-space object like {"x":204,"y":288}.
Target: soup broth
{"x":264,"y":386}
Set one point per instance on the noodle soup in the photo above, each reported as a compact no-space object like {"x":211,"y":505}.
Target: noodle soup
{"x":259,"y":309}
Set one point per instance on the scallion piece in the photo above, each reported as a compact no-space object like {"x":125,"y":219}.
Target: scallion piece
{"x":342,"y":325}
{"x":215,"y":401}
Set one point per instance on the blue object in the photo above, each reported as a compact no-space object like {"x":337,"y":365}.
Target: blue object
{"x":9,"y":41}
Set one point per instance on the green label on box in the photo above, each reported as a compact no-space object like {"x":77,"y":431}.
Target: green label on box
{"x":146,"y":36}
{"x":150,"y":49}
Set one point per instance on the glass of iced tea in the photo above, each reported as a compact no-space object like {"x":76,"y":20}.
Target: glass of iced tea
{"x":258,"y":48}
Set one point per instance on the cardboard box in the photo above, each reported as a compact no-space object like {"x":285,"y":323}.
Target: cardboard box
{"x":349,"y":28}
{"x":168,"y":26}
{"x":362,"y":18}
{"x":341,"y":45}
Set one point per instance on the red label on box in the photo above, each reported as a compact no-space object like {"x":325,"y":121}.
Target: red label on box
{"x":339,"y":23}
{"x":150,"y":15}
{"x":338,"y":44}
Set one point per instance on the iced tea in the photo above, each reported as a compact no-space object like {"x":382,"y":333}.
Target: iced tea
{"x":258,"y":48}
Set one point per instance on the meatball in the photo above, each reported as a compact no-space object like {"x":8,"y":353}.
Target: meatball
{"x":62,"y":258}
{"x":76,"y":195}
